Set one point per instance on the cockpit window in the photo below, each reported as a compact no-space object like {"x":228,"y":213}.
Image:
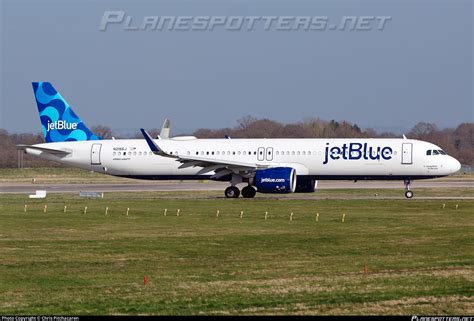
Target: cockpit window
{"x":435,"y":152}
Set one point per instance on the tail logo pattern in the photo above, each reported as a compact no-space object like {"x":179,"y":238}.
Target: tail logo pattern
{"x":58,"y":120}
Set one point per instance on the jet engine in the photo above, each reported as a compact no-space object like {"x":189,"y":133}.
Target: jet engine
{"x":276,"y":180}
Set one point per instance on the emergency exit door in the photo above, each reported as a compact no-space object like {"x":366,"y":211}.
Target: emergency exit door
{"x":269,"y":153}
{"x":261,"y":154}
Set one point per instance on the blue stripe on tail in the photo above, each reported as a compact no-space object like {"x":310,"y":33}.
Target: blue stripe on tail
{"x":59,"y":122}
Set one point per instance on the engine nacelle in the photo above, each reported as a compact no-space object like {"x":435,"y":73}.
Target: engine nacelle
{"x":305,"y":185}
{"x":276,"y":180}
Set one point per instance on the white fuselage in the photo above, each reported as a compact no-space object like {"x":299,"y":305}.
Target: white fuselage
{"x":315,"y":158}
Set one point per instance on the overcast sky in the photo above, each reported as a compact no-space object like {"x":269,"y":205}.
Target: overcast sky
{"x":418,"y":68}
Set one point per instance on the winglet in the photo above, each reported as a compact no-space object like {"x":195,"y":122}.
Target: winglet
{"x":153,"y":146}
{"x":165,"y":129}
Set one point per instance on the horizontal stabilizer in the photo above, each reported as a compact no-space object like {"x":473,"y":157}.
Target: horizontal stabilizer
{"x":56,"y":152}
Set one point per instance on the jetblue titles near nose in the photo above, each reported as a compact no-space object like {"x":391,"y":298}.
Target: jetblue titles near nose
{"x":261,"y":165}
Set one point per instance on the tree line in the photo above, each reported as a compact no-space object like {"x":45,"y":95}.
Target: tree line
{"x":457,"y":142}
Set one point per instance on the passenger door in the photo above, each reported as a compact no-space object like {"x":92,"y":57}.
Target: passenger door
{"x":407,"y":151}
{"x":95,"y":154}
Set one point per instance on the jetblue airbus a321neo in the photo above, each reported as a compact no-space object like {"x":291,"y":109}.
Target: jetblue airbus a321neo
{"x":263,"y":165}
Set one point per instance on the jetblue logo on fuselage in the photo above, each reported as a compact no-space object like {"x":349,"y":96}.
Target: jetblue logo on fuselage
{"x":61,"y":124}
{"x":272,"y":180}
{"x":355,"y":151}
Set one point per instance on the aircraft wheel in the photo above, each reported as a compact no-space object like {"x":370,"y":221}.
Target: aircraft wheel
{"x":232,"y":192}
{"x":408,"y":194}
{"x":248,"y":192}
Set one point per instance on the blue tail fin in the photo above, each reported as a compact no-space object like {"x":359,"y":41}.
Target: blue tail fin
{"x":60,"y":123}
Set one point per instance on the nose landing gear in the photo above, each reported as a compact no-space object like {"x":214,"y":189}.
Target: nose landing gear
{"x":408,"y":192}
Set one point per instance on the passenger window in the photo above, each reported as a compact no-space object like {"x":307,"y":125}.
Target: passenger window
{"x":197,"y":153}
{"x":435,"y":152}
{"x":428,"y":152}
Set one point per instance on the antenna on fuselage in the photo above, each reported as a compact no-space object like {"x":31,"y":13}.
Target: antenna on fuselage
{"x":404,"y":137}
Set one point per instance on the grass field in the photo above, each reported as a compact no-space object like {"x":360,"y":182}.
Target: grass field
{"x":57,"y":175}
{"x":419,"y":257}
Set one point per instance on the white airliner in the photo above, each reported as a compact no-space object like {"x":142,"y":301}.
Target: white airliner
{"x":263,"y":165}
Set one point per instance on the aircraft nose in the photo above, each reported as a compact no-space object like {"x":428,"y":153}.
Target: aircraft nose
{"x":454,"y":165}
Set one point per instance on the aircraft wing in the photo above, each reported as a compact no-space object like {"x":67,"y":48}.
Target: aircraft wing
{"x":220,"y":167}
{"x":56,"y":152}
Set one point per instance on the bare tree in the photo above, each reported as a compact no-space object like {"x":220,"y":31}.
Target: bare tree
{"x":103,"y":132}
{"x":422,"y":130}
{"x":245,"y":122}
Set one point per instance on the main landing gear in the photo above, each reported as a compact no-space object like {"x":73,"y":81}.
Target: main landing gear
{"x":408,"y":192}
{"x":248,"y":192}
{"x":233,"y":192}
